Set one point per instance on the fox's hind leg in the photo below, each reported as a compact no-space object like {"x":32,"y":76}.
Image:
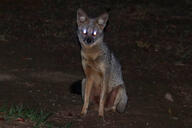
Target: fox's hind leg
{"x":117,"y":99}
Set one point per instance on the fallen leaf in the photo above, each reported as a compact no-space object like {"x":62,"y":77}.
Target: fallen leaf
{"x":170,"y":111}
{"x":1,"y":119}
{"x":20,"y":119}
{"x":142,"y":44}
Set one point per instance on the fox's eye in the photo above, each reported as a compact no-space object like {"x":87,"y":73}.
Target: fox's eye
{"x":84,"y":31}
{"x":94,"y":33}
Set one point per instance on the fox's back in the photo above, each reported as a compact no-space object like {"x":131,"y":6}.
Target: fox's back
{"x":115,"y":78}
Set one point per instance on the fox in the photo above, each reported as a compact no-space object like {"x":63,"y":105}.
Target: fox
{"x":103,"y":84}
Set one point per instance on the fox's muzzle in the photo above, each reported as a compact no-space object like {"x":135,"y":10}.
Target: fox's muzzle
{"x":89,"y":40}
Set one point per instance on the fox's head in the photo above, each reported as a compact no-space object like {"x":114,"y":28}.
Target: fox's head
{"x":90,"y":30}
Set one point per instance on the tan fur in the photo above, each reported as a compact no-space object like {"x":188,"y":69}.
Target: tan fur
{"x":93,"y":69}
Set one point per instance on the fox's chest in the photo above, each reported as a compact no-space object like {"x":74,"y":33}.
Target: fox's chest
{"x":93,"y":61}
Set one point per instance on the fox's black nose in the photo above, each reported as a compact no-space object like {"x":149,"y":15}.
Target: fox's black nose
{"x":89,"y":40}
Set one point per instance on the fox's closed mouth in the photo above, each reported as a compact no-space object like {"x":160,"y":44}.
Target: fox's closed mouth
{"x":88,"y":40}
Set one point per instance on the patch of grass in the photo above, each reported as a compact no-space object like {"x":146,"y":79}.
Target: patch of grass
{"x":39,"y":118}
{"x":20,"y":112}
{"x":68,"y":125}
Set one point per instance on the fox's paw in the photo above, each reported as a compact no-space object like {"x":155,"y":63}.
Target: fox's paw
{"x":101,"y":114}
{"x":101,"y":111}
{"x":83,"y":112}
{"x":101,"y":118}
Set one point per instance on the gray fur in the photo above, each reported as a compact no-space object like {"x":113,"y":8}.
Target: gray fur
{"x":106,"y":58}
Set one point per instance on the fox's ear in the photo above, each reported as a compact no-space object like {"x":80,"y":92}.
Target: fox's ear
{"x":81,"y":17}
{"x":102,"y":20}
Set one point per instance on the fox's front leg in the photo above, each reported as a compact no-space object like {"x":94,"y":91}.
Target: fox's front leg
{"x":103,"y":94}
{"x":88,"y":87}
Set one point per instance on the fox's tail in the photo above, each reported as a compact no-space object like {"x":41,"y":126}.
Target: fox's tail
{"x":75,"y":88}
{"x":123,"y":102}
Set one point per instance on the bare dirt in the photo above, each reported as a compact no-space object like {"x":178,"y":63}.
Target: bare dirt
{"x":40,"y":59}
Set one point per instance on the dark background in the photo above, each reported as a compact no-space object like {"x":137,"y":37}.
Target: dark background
{"x":40,"y":59}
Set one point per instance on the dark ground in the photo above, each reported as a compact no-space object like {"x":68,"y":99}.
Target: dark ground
{"x":40,"y":59}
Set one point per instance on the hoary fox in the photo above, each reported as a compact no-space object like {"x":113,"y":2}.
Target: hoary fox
{"x":103,"y":83}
